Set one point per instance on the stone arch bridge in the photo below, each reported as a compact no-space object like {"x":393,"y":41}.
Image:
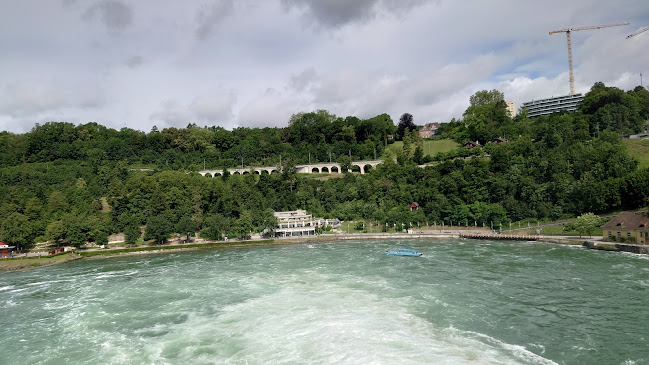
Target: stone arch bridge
{"x":314,"y":168}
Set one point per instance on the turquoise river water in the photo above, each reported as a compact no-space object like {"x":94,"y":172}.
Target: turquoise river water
{"x":463,"y":302}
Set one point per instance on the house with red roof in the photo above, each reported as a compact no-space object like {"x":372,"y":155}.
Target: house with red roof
{"x":5,"y":249}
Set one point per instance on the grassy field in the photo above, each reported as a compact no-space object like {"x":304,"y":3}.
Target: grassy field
{"x":431,"y":147}
{"x":638,"y":148}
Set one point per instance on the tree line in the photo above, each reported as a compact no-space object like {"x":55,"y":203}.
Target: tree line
{"x":76,"y":184}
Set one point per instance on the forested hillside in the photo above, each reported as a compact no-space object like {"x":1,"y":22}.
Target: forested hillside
{"x":81,"y":183}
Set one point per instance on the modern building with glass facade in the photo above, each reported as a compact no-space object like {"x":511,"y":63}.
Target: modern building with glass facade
{"x":537,"y":108}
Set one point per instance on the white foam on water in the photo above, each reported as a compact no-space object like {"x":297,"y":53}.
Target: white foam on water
{"x":518,"y":351}
{"x":633,"y":362}
{"x":8,"y":287}
{"x":114,"y":274}
{"x":322,"y":326}
{"x":39,"y":283}
{"x":644,"y":282}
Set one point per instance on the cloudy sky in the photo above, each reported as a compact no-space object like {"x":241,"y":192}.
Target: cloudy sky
{"x":136,"y":64}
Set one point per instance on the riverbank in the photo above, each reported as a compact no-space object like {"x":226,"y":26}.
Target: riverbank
{"x":35,"y":262}
{"x":26,"y":263}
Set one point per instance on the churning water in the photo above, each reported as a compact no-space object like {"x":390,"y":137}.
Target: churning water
{"x":463,"y":302}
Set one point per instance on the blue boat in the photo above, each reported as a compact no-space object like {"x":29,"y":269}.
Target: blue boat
{"x":403,"y":252}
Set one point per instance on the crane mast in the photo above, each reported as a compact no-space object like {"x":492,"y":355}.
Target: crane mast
{"x":570,"y":30}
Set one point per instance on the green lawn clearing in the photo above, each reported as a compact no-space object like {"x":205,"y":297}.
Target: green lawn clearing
{"x":639,"y":149}
{"x":431,"y":147}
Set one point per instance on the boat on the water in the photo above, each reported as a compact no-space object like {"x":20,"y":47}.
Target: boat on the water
{"x":403,"y":252}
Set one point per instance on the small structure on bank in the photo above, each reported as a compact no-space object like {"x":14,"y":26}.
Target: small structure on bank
{"x":414,"y":207}
{"x":629,"y":227}
{"x":5,"y":249}
{"x":499,"y":140}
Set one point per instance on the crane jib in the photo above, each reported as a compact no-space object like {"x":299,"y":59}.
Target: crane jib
{"x":568,"y":31}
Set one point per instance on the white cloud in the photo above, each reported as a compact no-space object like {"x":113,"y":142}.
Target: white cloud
{"x":270,"y":108}
{"x":33,"y":97}
{"x":213,"y":109}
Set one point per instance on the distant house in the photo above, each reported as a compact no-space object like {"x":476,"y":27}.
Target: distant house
{"x":428,"y":130}
{"x":414,"y":207}
{"x":499,"y":140}
{"x":5,"y":249}
{"x":469,"y":145}
{"x":627,"y":226}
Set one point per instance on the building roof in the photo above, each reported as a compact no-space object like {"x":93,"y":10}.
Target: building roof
{"x":471,"y":144}
{"x":414,"y":205}
{"x":628,"y":220}
{"x":431,"y":126}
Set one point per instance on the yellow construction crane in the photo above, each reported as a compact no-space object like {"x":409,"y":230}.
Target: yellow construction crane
{"x":568,"y":31}
{"x":638,"y":32}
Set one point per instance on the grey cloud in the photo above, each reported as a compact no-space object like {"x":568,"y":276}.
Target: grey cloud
{"x":208,"y":18}
{"x":171,"y":115}
{"x":303,"y":80}
{"x":337,"y":13}
{"x":334,"y":13}
{"x":212,"y":109}
{"x":270,"y":108}
{"x":114,"y":14}
{"x":134,"y":62}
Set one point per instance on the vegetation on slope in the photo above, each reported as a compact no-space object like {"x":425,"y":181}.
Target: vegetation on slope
{"x":53,"y":179}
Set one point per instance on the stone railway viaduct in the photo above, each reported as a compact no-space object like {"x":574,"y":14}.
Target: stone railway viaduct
{"x":314,"y":168}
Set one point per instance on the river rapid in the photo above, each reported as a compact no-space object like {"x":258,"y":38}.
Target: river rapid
{"x":463,"y":302}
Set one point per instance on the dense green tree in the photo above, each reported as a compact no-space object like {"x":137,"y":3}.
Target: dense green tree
{"x":15,"y":229}
{"x":406,"y":124}
{"x":57,"y":204}
{"x":586,"y":223}
{"x":55,"y":231}
{"x":613,"y":109}
{"x":486,"y":97}
{"x":186,"y":226}
{"x":76,"y":230}
{"x":243,"y":226}
{"x":158,"y":229}
{"x":214,"y":227}
{"x":132,"y":234}
{"x":33,"y":208}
